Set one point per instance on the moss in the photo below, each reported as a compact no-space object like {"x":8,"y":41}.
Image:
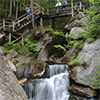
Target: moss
{"x":90,"y":40}
{"x":73,"y":73}
{"x":76,"y":63}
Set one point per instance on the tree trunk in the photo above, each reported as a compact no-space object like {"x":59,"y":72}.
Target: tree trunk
{"x":10,"y":8}
{"x":17,"y":10}
{"x":32,"y":12}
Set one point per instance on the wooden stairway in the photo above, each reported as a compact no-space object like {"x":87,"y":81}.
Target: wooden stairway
{"x":51,"y":12}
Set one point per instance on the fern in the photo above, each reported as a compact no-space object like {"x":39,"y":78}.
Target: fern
{"x":96,"y":83}
{"x":59,"y":47}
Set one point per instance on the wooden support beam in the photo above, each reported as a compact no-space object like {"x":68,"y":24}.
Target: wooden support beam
{"x":32,"y":10}
{"x":80,"y":5}
{"x":47,"y":12}
{"x":22,"y":41}
{"x":13,"y":26}
{"x":41,"y":21}
{"x":75,"y":6}
{"x":53,"y":25}
{"x":72,"y":8}
{"x":9,"y":37}
{"x":50,"y":22}
{"x":3,"y":24}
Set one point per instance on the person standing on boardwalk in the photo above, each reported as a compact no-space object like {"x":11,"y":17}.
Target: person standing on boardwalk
{"x":28,"y":10}
{"x":64,"y":4}
{"x":58,"y":6}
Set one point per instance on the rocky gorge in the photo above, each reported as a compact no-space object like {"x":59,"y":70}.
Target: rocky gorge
{"x":31,"y":68}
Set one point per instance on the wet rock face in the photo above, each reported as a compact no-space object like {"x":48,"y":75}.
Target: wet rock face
{"x":9,"y":86}
{"x":76,"y":97}
{"x":83,"y":91}
{"x":91,"y":55}
{"x":32,"y":70}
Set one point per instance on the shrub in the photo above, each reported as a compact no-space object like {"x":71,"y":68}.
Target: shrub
{"x":94,"y":27}
{"x":31,"y":47}
{"x":29,"y":44}
{"x":59,"y":47}
{"x":55,"y":32}
{"x":96,"y":83}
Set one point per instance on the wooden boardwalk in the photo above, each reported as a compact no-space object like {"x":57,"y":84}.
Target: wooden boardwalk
{"x":46,"y":13}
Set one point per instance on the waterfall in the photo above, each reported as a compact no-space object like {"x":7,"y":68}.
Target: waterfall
{"x":53,"y":88}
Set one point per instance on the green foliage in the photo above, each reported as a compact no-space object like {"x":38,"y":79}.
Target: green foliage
{"x":96,"y":2}
{"x":92,"y":11}
{"x":73,"y":72}
{"x":10,"y":45}
{"x":94,"y":27}
{"x":59,"y":47}
{"x":74,"y":55}
{"x":30,"y":45}
{"x":55,"y":32}
{"x":77,"y":45}
{"x":76,"y":63}
{"x":96,"y":83}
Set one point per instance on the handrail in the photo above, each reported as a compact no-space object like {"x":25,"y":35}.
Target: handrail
{"x":66,"y":4}
{"x":24,"y":19}
{"x":26,"y":14}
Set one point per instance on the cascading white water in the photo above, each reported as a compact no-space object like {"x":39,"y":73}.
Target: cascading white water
{"x":53,"y":88}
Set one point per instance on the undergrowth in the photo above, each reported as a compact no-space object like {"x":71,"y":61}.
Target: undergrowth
{"x":29,"y":47}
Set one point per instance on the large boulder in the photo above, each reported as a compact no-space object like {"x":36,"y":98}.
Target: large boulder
{"x":48,"y":50}
{"x":91,"y":55}
{"x":10,"y":88}
{"x":83,"y":91}
{"x":72,"y":24}
{"x":85,"y":21}
{"x":81,"y":14}
{"x":81,"y":20}
{"x":11,"y":54}
{"x":77,"y":32}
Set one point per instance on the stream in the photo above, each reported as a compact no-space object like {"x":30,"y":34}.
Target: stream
{"x":53,"y":88}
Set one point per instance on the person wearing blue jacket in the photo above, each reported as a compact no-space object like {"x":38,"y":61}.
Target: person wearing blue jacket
{"x":63,"y":4}
{"x":28,"y":10}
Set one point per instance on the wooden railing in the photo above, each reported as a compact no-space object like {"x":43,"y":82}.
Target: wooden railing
{"x":24,"y":20}
{"x":69,"y":8}
{"x":19,"y":23}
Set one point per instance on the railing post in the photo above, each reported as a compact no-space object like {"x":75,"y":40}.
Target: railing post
{"x":41,"y":21}
{"x":72,"y":8}
{"x":13,"y":26}
{"x":50,"y":22}
{"x":3,"y":24}
{"x":47,"y":11}
{"x":90,"y":5}
{"x":18,"y":23}
{"x":75,"y":6}
{"x":53,"y":26}
{"x":39,"y":9}
{"x":22,"y":41}
{"x":57,"y":9}
{"x":80,"y":5}
{"x":9,"y":37}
